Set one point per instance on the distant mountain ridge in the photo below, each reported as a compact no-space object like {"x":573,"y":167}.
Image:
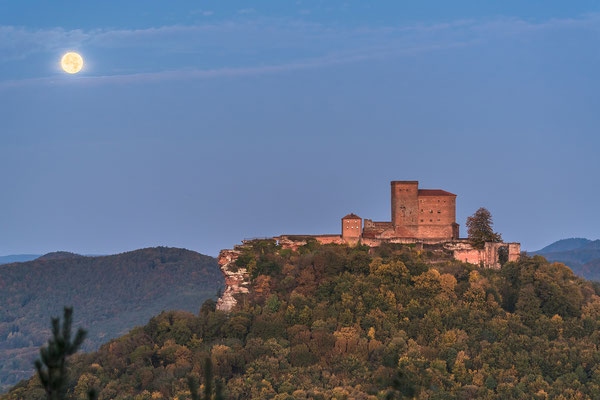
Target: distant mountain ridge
{"x":17,"y":258}
{"x":565,"y":245}
{"x":13,"y":258}
{"x":110,"y":295}
{"x":580,"y":254}
{"x":58,"y":255}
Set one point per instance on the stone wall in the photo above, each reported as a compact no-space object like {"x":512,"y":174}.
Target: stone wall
{"x":488,"y":256}
{"x":462,"y":249}
{"x":294,"y":241}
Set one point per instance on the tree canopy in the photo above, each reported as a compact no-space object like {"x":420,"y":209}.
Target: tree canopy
{"x":480,"y":230}
{"x":338,"y":322}
{"x":111,"y":295}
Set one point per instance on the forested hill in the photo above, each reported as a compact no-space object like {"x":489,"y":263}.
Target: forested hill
{"x":110,"y":295}
{"x":333,"y":322}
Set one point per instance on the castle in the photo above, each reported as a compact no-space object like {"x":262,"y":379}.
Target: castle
{"x":424,"y":217}
{"x":420,"y":214}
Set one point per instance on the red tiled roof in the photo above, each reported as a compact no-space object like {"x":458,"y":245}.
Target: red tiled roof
{"x":351,"y":216}
{"x":434,"y":192}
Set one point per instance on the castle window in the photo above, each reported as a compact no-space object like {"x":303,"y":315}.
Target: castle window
{"x":439,"y":212}
{"x":430,"y":220}
{"x":430,"y":211}
{"x":421,"y":220}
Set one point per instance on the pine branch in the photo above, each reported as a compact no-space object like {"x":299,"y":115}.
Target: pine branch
{"x":51,"y":367}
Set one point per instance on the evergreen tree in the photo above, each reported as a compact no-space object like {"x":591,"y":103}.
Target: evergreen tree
{"x":480,"y":230}
{"x":403,"y":386}
{"x":208,"y":384}
{"x":52,"y":369}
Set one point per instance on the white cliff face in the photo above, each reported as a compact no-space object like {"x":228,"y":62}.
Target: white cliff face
{"x":236,"y":279}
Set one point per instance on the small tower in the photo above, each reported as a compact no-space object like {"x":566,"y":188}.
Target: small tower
{"x":351,"y":227}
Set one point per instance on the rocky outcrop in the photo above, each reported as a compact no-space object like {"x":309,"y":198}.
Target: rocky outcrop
{"x":236,"y":279}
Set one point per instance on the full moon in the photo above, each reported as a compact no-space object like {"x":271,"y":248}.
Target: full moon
{"x":71,"y":63}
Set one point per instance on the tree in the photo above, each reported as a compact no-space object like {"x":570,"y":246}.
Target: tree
{"x":51,"y":369}
{"x":403,"y":386}
{"x":208,"y":384}
{"x":480,"y":228}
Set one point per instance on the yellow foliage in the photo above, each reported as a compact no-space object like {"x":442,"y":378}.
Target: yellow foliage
{"x":477,"y":378}
{"x":371,"y":333}
{"x":557,"y":319}
{"x":448,"y":283}
{"x":340,"y":393}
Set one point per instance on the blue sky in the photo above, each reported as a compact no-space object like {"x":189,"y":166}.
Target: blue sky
{"x":198,"y":124}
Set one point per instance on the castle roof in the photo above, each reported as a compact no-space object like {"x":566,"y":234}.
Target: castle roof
{"x":434,"y":192}
{"x":351,"y":216}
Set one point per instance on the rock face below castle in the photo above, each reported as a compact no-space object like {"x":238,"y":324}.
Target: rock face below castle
{"x":236,"y":279}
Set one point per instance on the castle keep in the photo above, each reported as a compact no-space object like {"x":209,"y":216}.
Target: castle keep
{"x":416,"y":213}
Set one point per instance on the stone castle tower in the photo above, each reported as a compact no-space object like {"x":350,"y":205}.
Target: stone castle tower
{"x":423,"y":213}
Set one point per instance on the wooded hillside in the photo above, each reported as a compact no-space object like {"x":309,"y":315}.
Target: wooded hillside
{"x":110,"y":294}
{"x":333,"y":322}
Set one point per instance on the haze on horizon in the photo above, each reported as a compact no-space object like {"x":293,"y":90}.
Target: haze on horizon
{"x":197,"y":125}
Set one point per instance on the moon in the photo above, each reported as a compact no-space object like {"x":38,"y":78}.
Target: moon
{"x":71,"y":62}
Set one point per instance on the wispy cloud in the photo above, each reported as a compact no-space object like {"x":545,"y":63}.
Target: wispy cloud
{"x":205,"y":13}
{"x":259,"y":46}
{"x":18,"y":43}
{"x":193,"y":73}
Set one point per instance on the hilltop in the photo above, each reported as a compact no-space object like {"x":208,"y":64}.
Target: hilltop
{"x":339,"y":322}
{"x":581,"y":255}
{"x":111,"y":295}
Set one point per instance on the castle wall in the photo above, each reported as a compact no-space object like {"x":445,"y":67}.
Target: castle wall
{"x":437,"y":210}
{"x":373,"y":229}
{"x":514,"y":251}
{"x":433,"y":231}
{"x":462,"y":249}
{"x":330,"y":239}
{"x":488,"y":256}
{"x":293,"y":242}
{"x":437,"y":216}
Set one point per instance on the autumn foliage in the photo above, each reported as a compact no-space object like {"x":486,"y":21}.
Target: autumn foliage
{"x":336,"y":322}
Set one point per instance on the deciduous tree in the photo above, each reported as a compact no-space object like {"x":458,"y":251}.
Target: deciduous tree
{"x":480,"y":229}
